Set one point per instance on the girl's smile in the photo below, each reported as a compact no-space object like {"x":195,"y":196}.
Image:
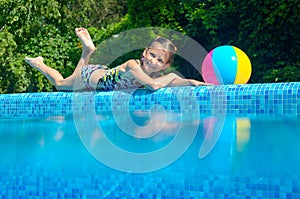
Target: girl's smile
{"x":155,"y":60}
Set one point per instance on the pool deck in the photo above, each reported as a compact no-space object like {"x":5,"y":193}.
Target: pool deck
{"x":271,"y":100}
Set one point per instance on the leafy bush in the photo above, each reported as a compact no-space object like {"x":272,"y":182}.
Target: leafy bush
{"x":44,"y":28}
{"x":13,"y":74}
{"x":267,"y":31}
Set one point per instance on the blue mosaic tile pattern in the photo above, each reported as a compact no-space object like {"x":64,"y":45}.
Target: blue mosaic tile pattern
{"x":178,"y":185}
{"x":251,"y":100}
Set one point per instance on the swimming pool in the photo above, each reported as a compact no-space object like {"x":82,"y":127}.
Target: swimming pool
{"x":234,"y":141}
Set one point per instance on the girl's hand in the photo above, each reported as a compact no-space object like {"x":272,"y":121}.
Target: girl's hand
{"x":193,"y":82}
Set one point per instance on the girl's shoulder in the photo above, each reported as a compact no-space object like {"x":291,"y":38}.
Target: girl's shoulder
{"x":133,"y":63}
{"x":129,"y":65}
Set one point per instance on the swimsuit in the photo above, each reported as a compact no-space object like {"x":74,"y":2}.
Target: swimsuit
{"x":112,"y":79}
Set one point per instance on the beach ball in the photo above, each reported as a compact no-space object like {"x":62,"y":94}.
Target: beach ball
{"x":226,"y":65}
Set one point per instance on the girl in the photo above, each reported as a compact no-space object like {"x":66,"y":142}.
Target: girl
{"x":131,"y":74}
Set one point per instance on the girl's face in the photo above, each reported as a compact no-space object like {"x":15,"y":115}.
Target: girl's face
{"x":155,"y":60}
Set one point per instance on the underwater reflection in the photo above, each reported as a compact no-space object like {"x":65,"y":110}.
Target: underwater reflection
{"x":223,"y":139}
{"x":234,"y":132}
{"x":151,"y":131}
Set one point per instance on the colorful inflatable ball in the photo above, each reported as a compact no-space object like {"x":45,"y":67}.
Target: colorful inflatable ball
{"x":226,"y":65}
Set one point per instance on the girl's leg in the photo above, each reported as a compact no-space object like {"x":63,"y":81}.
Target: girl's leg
{"x":55,"y":77}
{"x":88,"y":48}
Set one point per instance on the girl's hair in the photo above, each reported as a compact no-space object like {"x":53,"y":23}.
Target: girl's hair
{"x":164,"y":44}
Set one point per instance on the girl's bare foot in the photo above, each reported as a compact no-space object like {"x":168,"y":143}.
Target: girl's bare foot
{"x":85,"y":39}
{"x":35,"y":62}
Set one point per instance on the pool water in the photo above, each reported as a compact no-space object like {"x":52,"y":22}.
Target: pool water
{"x":229,"y":141}
{"x":252,"y":158}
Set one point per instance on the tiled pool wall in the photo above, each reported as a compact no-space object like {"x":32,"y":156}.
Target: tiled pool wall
{"x":271,"y":100}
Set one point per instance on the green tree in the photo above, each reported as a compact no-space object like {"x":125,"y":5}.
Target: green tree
{"x":267,"y":31}
{"x":46,"y":28}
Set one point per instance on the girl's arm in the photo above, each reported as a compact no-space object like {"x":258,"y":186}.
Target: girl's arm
{"x":178,"y":81}
{"x":152,"y":83}
{"x":170,"y":79}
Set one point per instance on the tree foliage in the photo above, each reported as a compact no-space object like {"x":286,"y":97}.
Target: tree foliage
{"x":268,"y":31}
{"x":46,"y":28}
